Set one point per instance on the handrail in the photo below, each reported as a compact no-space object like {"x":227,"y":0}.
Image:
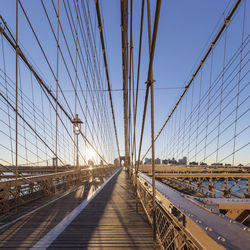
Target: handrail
{"x":180,"y":222}
{"x":16,"y":192}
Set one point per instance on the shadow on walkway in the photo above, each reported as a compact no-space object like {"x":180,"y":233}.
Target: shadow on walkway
{"x":109,"y":221}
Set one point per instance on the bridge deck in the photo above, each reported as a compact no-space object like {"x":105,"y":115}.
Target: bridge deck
{"x":108,"y":221}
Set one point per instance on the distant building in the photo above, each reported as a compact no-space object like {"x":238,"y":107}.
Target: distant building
{"x":116,"y":162}
{"x":203,"y":164}
{"x":183,"y":161}
{"x":165,"y":162}
{"x":173,"y":161}
{"x":148,"y":161}
{"x":193,"y":163}
{"x":217,"y":164}
{"x":157,"y":161}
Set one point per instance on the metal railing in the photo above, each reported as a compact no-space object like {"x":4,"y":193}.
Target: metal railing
{"x":18,"y":191}
{"x":170,"y":231}
{"x":185,"y":222}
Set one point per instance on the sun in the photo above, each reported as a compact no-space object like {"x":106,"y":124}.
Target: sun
{"x":90,"y":153}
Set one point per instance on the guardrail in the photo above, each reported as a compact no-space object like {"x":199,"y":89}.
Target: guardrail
{"x":169,"y":231}
{"x":182,"y":224}
{"x":206,"y":181}
{"x":25,"y":189}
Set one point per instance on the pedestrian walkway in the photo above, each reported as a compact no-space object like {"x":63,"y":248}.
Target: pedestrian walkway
{"x":108,"y":221}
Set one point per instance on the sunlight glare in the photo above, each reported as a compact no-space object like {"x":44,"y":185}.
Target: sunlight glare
{"x":90,"y":153}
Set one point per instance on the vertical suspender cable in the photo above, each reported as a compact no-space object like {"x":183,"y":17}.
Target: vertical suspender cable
{"x":138,"y":76}
{"x":238,"y":89}
{"x":107,"y":73}
{"x":150,"y":82}
{"x":9,"y":118}
{"x":208,"y":105}
{"x":11,"y":40}
{"x":136,"y":99}
{"x":210,"y":49}
{"x":130,"y":83}
{"x":221,"y":96}
{"x":57,"y":74}
{"x":16,"y":97}
{"x":124,"y":27}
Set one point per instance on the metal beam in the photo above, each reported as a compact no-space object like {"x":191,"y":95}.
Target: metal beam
{"x":206,"y":228}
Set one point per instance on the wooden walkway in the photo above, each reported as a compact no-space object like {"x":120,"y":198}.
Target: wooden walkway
{"x":108,"y":221}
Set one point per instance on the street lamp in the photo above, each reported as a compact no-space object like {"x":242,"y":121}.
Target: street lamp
{"x":77,"y":130}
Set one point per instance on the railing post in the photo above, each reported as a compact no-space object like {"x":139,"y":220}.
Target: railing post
{"x":248,"y":187}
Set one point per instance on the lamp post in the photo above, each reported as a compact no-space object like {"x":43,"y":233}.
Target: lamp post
{"x":77,"y":130}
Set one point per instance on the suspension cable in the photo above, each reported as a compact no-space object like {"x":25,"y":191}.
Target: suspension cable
{"x":226,"y":22}
{"x":107,"y":72}
{"x":150,"y":69}
{"x":39,"y":80}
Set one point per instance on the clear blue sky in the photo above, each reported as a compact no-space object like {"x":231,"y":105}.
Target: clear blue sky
{"x":185,"y":29}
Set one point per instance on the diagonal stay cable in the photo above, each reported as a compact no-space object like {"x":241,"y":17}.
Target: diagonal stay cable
{"x":225,"y":24}
{"x":14,"y":109}
{"x":39,"y":80}
{"x":43,"y":52}
{"x":150,"y":70}
{"x":25,"y":60}
{"x":138,"y":76}
{"x":107,"y":72}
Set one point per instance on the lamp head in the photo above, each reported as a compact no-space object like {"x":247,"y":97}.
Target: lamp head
{"x":77,"y":125}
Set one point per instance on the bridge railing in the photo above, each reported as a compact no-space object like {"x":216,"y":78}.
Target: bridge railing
{"x":18,"y":191}
{"x":184,"y":223}
{"x":170,"y":231}
{"x":205,"y":181}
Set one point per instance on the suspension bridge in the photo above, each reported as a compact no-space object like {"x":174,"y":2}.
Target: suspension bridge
{"x":95,"y":153}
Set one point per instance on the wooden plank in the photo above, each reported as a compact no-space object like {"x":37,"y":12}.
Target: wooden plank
{"x":110,"y":220}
